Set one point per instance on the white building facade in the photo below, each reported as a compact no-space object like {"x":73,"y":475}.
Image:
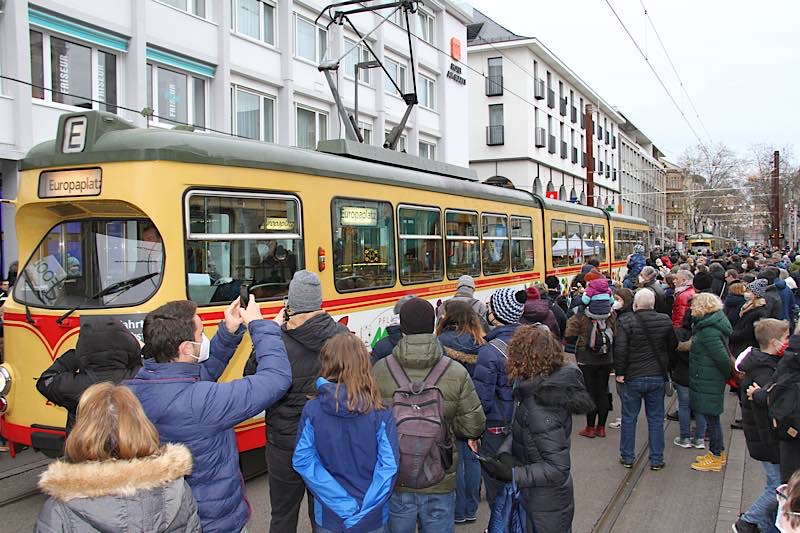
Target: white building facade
{"x":246,"y":67}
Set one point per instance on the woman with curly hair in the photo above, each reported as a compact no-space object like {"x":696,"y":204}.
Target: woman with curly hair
{"x":547,"y":393}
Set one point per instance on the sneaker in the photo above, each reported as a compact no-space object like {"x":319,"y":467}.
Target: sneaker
{"x":625,"y":463}
{"x":616,"y":424}
{"x":657,"y":467}
{"x":710,"y":455}
{"x":700,"y":444}
{"x":683,"y":443}
{"x":471,"y":519}
{"x":714,"y":464}
{"x":588,"y":432}
{"x":743,"y":526}
{"x":673,"y":416}
{"x":460,"y":520}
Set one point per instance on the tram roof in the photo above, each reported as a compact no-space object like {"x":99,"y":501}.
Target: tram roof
{"x":110,"y":139}
{"x":626,"y":218}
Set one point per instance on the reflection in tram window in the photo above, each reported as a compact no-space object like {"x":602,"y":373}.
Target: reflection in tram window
{"x":574,"y":244}
{"x":600,"y":242}
{"x":521,"y":244}
{"x":587,"y":235}
{"x":363,"y":239}
{"x":463,"y":244}
{"x":558,"y":233}
{"x":420,"y":246}
{"x":495,"y":244}
{"x":242,"y":238}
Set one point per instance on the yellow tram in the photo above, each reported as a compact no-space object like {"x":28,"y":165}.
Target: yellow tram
{"x":117,"y":220}
{"x":707,"y":242}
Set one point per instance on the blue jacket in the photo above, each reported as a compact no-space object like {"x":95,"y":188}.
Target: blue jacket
{"x":462,"y":348}
{"x":187,"y":406}
{"x":491,"y":382}
{"x":787,"y":298}
{"x":352,"y":472}
{"x":635,"y":265}
{"x":383,"y":348}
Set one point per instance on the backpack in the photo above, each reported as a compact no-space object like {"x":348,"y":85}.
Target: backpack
{"x":600,"y":337}
{"x":426,"y":448}
{"x":783,"y":402}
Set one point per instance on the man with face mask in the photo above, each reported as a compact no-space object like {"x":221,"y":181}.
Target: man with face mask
{"x":179,"y":393}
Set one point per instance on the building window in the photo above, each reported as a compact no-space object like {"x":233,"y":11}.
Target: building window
{"x":359,"y":54}
{"x":401,"y":144}
{"x":195,"y":7}
{"x":399,"y":18}
{"x":494,"y":78}
{"x":426,"y":90}
{"x":495,"y":133}
{"x":254,"y":115}
{"x":310,"y":41}
{"x":427,"y":150}
{"x":255,"y":19}
{"x":312,"y":127}
{"x":426,"y":23}
{"x":420,"y":246}
{"x":398,"y":74}
{"x":74,"y":74}
{"x":176,"y":97}
{"x":366,"y":131}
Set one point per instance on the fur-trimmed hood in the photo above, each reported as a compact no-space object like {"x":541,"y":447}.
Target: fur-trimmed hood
{"x":69,"y":481}
{"x":563,"y":388}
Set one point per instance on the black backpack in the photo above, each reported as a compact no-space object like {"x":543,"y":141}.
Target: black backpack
{"x":784,"y":409}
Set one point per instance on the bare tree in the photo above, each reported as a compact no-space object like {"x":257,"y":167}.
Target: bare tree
{"x":761,"y":166}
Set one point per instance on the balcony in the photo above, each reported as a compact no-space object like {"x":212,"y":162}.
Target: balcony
{"x":541,"y":138}
{"x":562,"y":104}
{"x":564,"y":150}
{"x":538,"y":89}
{"x":574,"y":114}
{"x":494,"y":85}
{"x":551,"y":146}
{"x":551,"y":98}
{"x":495,"y":135}
{"x":574,"y":155}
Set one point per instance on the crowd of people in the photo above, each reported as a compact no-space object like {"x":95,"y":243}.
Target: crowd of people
{"x":475,"y":395}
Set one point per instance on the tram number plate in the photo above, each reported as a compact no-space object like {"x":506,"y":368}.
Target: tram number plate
{"x":70,"y":183}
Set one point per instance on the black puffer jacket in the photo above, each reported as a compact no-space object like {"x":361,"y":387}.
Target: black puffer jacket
{"x":744,"y":333}
{"x":636,"y":333}
{"x":383,"y":348}
{"x":558,"y":313}
{"x":106,"y":351}
{"x":540,"y":443}
{"x":661,"y":305}
{"x":303,"y":340}
{"x":761,"y":443}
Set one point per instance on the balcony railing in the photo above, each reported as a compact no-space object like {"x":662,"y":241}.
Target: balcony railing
{"x":551,"y":98}
{"x":552,"y":144}
{"x":495,"y":135}
{"x":563,"y":150}
{"x":541,"y":138}
{"x":538,"y":89}
{"x":494,"y":85}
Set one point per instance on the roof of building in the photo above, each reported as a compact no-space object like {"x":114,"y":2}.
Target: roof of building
{"x":485,"y":30}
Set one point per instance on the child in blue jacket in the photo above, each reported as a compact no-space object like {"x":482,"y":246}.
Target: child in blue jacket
{"x":352,"y":471}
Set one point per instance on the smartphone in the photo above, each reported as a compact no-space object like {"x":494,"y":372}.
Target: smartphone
{"x":286,"y":308}
{"x":244,"y":296}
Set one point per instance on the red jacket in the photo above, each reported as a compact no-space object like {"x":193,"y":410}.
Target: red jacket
{"x":682,"y":305}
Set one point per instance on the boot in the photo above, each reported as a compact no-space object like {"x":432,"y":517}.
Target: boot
{"x":600,"y":431}
{"x":588,"y":431}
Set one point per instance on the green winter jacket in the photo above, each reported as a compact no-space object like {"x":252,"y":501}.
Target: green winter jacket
{"x":417,"y":354}
{"x":709,"y":363}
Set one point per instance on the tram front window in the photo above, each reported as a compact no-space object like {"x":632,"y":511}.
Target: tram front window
{"x":78,"y":260}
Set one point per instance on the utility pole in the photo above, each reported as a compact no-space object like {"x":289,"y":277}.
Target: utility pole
{"x":776,"y":201}
{"x":589,"y":156}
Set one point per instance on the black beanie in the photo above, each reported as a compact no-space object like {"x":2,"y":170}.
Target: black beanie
{"x":702,"y":281}
{"x":552,"y":283}
{"x":417,"y":316}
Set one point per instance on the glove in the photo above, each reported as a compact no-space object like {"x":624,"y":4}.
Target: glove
{"x":500,"y":468}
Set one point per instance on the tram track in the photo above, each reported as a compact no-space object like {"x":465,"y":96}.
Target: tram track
{"x":612,"y":511}
{"x":26,"y":492}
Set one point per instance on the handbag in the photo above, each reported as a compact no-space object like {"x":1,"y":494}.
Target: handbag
{"x":669,"y":387}
{"x":508,"y":511}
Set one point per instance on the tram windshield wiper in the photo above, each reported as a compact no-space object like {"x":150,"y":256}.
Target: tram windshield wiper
{"x":114,"y":288}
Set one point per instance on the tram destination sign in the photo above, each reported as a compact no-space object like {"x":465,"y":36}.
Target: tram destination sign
{"x":70,"y":183}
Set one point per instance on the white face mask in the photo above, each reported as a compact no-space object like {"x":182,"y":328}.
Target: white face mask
{"x":617,"y":305}
{"x":205,"y":349}
{"x":263,"y":249}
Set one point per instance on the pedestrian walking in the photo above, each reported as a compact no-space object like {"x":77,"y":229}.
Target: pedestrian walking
{"x":419,"y":357}
{"x":353,"y":480}
{"x":116,"y":476}
{"x":645,"y":339}
{"x":709,"y":368}
{"x":537,"y":457}
{"x":385,"y":346}
{"x":179,"y":393}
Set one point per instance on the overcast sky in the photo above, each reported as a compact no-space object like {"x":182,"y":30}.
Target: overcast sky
{"x":738,"y":59}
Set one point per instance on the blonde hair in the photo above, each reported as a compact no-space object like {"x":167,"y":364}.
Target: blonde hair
{"x":344,"y":360}
{"x":705,"y":303}
{"x":768,"y":329}
{"x":111,"y":424}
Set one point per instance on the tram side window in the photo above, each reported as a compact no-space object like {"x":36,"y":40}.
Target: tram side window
{"x":574,"y":244}
{"x":363,"y":244}
{"x":521,"y":244}
{"x":558,"y":234}
{"x":240,"y":239}
{"x":620,"y":244}
{"x":420,"y":246}
{"x":82,"y":262}
{"x":495,"y":244}
{"x":600,"y":242}
{"x":587,"y":235}
{"x":463,"y":244}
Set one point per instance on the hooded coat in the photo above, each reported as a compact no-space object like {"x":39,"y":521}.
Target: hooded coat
{"x":383,"y":348}
{"x":491,"y":380}
{"x":635,"y":265}
{"x":744,"y":333}
{"x":758,"y":367}
{"x":540,"y":444}
{"x":106,"y":351}
{"x":538,"y":311}
{"x":460,"y":347}
{"x":775,"y":307}
{"x":733,"y":302}
{"x":709,"y":363}
{"x":352,"y":481}
{"x":417,"y":355}
{"x":558,"y":312}
{"x":145,"y":494}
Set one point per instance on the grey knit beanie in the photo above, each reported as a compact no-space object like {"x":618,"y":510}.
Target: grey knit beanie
{"x":305,"y":293}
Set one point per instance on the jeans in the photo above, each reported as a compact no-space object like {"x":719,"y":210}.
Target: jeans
{"x":714,"y":426}
{"x":468,"y":482}
{"x":596,"y":379}
{"x":651,"y":390}
{"x":762,"y":511}
{"x":434,"y":512}
{"x":685,"y":412}
{"x":490,"y":443}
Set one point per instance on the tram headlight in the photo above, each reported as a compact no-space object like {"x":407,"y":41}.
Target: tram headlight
{"x":5,"y":381}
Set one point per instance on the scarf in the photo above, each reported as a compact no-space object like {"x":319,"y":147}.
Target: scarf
{"x":750,"y":305}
